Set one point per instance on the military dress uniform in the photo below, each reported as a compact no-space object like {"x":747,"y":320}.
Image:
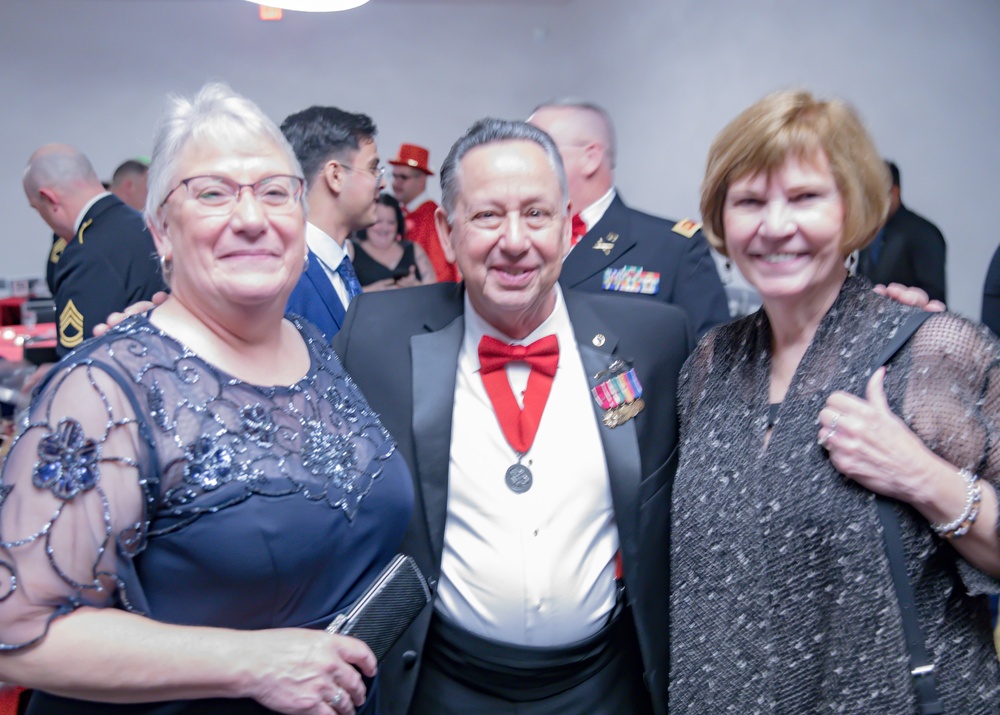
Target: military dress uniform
{"x":109,"y":264}
{"x":635,"y":254}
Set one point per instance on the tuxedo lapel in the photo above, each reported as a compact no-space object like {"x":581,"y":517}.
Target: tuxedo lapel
{"x":603,"y":246}
{"x":434,"y":360}
{"x":324,"y":288}
{"x":598,"y":346}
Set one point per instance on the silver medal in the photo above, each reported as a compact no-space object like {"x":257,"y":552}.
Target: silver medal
{"x":518,"y":478}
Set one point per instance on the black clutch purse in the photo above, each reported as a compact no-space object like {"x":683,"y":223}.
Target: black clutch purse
{"x":386,"y":608}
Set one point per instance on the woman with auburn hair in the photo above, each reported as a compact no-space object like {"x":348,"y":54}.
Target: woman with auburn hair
{"x":781,"y":598}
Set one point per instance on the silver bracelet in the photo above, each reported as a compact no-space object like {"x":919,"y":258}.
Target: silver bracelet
{"x":961,"y":525}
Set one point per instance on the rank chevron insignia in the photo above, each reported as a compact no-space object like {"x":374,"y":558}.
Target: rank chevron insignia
{"x":70,"y":326}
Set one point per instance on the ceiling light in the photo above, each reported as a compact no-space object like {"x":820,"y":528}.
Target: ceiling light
{"x":313,"y":5}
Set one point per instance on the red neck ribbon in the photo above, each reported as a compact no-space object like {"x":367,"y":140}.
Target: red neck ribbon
{"x":519,"y":425}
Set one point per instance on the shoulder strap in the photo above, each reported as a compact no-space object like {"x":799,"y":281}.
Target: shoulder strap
{"x":921,"y":664}
{"x":904,"y":333}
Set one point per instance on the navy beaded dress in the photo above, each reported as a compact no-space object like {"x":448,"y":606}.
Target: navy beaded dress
{"x":149,"y":480}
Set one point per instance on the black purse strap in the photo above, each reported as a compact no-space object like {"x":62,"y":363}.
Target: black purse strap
{"x":921,"y":664}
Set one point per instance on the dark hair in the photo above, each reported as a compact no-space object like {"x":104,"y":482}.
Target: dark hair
{"x":129,"y":166}
{"x":491,"y":131}
{"x":390,"y":201}
{"x":894,"y":170}
{"x":319,"y":134}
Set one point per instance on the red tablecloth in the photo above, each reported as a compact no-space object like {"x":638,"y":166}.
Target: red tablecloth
{"x":12,"y":339}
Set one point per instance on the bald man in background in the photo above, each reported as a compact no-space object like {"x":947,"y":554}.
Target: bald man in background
{"x":103,"y":258}
{"x":619,"y":249}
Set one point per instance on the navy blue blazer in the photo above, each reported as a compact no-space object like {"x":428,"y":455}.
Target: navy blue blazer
{"x":314,"y":299}
{"x":626,"y":237}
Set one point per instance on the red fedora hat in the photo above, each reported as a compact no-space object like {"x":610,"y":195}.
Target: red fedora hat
{"x":413,"y":156}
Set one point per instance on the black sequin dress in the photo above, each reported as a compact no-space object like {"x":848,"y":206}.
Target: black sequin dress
{"x":781,"y":599}
{"x":149,"y":480}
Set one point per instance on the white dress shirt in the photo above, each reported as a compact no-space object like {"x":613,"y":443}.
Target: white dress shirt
{"x":535,"y":568}
{"x":595,"y":212}
{"x":85,"y":209}
{"x":330,"y":254}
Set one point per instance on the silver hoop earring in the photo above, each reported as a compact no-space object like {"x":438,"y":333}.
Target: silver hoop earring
{"x":305,"y":263}
{"x":166,"y":266}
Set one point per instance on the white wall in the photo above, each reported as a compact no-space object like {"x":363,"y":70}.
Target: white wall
{"x":924,"y":74}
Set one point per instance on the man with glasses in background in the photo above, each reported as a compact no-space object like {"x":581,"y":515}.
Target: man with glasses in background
{"x":340,"y":161}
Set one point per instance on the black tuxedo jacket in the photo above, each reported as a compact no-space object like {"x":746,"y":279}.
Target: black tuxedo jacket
{"x":626,"y":237}
{"x":913,"y":253}
{"x":401,"y":347}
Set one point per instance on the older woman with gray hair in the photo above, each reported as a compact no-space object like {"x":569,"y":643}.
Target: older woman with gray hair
{"x":197,"y":493}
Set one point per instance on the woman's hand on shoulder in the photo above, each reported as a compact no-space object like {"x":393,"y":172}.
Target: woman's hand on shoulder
{"x":143,"y":306}
{"x":307,"y":672}
{"x":910,"y":295}
{"x":870,"y":444}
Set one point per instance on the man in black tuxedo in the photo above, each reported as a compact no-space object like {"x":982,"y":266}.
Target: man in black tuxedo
{"x":542,"y":473}
{"x":102,"y":257}
{"x":621,"y":249}
{"x":909,"y":249}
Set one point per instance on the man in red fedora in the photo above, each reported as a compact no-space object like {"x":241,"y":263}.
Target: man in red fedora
{"x":410,"y":170}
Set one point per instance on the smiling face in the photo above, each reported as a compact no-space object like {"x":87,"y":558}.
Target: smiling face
{"x":509,"y":233}
{"x":250,"y":256}
{"x":784,"y":230}
{"x":384,"y":232}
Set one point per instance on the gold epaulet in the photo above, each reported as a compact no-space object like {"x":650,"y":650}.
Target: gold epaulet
{"x":84,"y":227}
{"x":686,"y":227}
{"x":57,"y":250}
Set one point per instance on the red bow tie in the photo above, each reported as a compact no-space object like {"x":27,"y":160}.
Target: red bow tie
{"x":542,"y":355}
{"x":519,"y":425}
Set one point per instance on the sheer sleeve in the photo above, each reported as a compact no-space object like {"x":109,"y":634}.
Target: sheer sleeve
{"x":72,"y":502}
{"x":952,"y":401}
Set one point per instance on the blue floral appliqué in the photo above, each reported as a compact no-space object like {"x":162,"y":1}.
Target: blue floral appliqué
{"x":68,"y":463}
{"x":208,"y":464}
{"x":344,"y":406}
{"x":330,"y":456}
{"x":257,"y":424}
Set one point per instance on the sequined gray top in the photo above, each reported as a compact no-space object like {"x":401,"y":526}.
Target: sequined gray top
{"x":148,"y":479}
{"x":781,"y":599}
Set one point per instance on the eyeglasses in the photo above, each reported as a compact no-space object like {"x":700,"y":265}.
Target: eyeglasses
{"x":378,"y":172}
{"x":219,"y":194}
